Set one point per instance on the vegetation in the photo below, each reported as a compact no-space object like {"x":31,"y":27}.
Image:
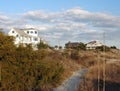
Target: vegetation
{"x":77,"y":46}
{"x":42,"y":45}
{"x":23,"y":69}
{"x":103,"y":48}
{"x":82,"y":46}
{"x":60,"y":47}
{"x":56,"y":46}
{"x":90,"y":82}
{"x":75,"y":55}
{"x":112,"y":65}
{"x":113,"y":47}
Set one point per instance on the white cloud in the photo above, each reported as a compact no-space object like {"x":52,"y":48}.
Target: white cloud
{"x":73,"y":16}
{"x":72,"y":24}
{"x":3,"y":17}
{"x":39,"y":27}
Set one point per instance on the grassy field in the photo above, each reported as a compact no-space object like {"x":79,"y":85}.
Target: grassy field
{"x":94,"y":79}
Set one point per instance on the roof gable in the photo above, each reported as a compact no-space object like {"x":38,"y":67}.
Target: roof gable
{"x":21,"y":32}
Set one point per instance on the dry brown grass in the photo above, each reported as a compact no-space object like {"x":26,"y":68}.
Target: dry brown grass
{"x":69,"y":65}
{"x":90,"y":59}
{"x":90,"y":82}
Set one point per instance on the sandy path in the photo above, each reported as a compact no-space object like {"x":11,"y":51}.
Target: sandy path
{"x":72,"y":83}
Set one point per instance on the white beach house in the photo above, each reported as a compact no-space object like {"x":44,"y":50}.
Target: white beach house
{"x":25,"y":36}
{"x":93,"y":44}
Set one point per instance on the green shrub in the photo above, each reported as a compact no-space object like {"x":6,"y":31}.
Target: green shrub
{"x":49,"y":73}
{"x":103,"y":48}
{"x":42,"y":45}
{"x":113,"y":47}
{"x":82,"y":46}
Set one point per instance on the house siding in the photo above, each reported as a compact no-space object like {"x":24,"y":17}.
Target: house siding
{"x":93,"y":45}
{"x":25,"y":36}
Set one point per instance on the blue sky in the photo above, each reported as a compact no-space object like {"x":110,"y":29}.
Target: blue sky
{"x":64,"y":20}
{"x":15,"y":6}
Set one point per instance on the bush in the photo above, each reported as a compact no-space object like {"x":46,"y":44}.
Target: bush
{"x":113,"y":47}
{"x":49,"y":73}
{"x":23,"y":69}
{"x":42,"y":45}
{"x":103,"y":48}
{"x":82,"y":46}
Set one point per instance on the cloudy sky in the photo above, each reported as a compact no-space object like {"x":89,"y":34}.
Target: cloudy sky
{"x":60,"y":21}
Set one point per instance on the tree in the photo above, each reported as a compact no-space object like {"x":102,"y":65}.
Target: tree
{"x":42,"y":45}
{"x":60,"y":47}
{"x":103,"y":48}
{"x":113,"y":47}
{"x":56,"y":46}
{"x":82,"y":46}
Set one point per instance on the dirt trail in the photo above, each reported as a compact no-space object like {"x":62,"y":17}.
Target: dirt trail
{"x":72,"y":83}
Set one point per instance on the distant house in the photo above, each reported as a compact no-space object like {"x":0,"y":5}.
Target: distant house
{"x":1,"y":29}
{"x":25,"y":36}
{"x":71,"y":44}
{"x":93,"y":44}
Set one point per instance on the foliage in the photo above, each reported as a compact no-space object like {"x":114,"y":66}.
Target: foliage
{"x":103,"y":48}
{"x":56,"y":46}
{"x":79,"y":46}
{"x":113,"y":47}
{"x":82,"y":46}
{"x":60,"y":47}
{"x":49,"y":73}
{"x":6,"y":46}
{"x":24,"y":69}
{"x":42,"y":45}
{"x":66,"y":53}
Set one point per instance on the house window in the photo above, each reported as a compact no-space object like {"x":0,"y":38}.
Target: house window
{"x":28,"y":32}
{"x":31,"y":32}
{"x":35,"y":39}
{"x":17,"y":35}
{"x":35,"y":32}
{"x":12,"y":31}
